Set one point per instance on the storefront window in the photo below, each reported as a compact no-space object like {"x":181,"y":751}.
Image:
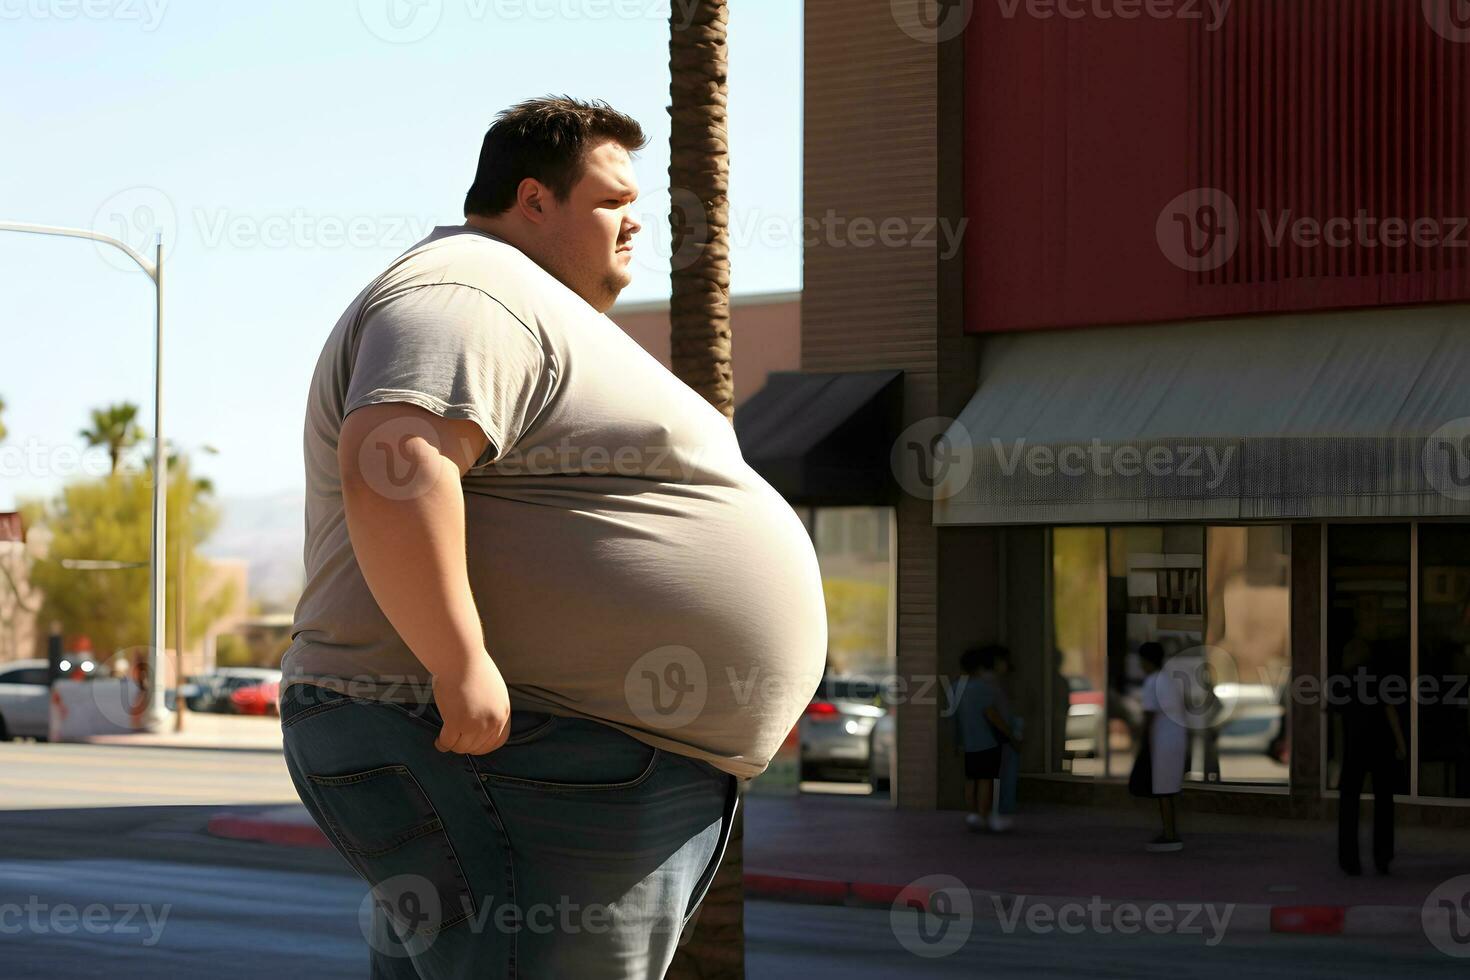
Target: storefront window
{"x":1247,"y":630}
{"x":1079,"y":628}
{"x":853,"y":551}
{"x":847,"y":734}
{"x":1367,"y":637}
{"x":1217,"y":596}
{"x":1443,"y":729}
{"x":1155,"y":593}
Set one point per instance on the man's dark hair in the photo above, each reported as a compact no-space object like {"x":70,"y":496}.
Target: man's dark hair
{"x":983,"y":657}
{"x":544,"y":138}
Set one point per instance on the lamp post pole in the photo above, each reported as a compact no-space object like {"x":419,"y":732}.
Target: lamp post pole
{"x":156,"y":709}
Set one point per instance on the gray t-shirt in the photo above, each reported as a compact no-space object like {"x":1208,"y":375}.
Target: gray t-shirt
{"x":628,"y":566}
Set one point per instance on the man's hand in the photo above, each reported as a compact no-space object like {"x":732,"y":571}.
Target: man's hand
{"x":475,"y":707}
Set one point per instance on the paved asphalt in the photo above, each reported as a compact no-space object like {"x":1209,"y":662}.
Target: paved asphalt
{"x":89,"y":887}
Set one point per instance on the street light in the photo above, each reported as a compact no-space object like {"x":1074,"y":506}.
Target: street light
{"x":155,"y":710}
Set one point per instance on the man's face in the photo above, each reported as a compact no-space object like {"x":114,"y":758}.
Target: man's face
{"x":588,"y":238}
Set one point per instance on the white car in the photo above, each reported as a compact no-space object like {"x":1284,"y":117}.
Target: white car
{"x":25,"y":700}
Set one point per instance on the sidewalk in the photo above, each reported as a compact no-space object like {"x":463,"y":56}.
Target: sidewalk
{"x":206,"y":731}
{"x":1278,"y":876}
{"x":1281,"y":874}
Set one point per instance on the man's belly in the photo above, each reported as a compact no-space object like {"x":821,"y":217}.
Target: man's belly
{"x":694,"y":616}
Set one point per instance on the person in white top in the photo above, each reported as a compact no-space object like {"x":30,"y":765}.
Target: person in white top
{"x":1168,"y":742}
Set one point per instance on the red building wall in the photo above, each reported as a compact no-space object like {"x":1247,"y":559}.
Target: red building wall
{"x":1298,"y":154}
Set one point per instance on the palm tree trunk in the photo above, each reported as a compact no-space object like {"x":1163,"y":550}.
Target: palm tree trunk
{"x":699,"y":182}
{"x":699,"y":319}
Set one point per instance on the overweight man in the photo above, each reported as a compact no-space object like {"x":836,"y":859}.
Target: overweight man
{"x":551,"y":617}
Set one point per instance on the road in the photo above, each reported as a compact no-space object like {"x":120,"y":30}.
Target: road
{"x":114,"y":876}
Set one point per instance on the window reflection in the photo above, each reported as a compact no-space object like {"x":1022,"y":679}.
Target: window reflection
{"x":1247,"y":627}
{"x":1155,"y":593}
{"x":1218,"y":597}
{"x":1444,"y":660}
{"x":1079,"y":629}
{"x":1367,"y":637}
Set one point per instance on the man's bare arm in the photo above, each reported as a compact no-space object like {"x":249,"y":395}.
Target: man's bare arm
{"x":401,"y":467}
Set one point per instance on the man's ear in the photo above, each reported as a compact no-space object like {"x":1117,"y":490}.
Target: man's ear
{"x":531,"y":198}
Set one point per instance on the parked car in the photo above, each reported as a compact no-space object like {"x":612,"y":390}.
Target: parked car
{"x":880,"y":754}
{"x":25,"y":700}
{"x":1253,"y":715}
{"x":836,"y":730}
{"x":263,"y":698}
{"x":1086,"y":719}
{"x":215,"y":692}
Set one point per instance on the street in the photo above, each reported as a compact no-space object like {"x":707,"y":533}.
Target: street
{"x":105,"y":869}
{"x":225,"y":921}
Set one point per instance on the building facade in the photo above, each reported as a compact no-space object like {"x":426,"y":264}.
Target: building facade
{"x":1154,"y":325}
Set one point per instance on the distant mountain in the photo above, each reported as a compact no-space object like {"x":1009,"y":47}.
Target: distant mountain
{"x":268,"y":532}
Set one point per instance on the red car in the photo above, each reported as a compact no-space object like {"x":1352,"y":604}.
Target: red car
{"x":257,"y":699}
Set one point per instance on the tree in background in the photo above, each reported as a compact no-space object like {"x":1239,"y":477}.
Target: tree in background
{"x":2,"y":418}
{"x":115,"y":427}
{"x":111,"y":518}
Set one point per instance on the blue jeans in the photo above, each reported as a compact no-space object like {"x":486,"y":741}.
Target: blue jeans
{"x":573,"y":850}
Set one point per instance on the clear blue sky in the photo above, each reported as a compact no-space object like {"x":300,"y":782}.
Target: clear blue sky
{"x":288,"y":152}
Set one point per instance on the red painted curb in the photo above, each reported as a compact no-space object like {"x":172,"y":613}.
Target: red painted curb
{"x":1318,"y":920}
{"x":885,"y":895}
{"x":820,"y":890}
{"x":281,"y":832}
{"x":1312,"y":920}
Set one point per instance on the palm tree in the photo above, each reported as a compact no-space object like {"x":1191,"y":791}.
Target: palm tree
{"x":699,"y":315}
{"x":2,"y":424}
{"x":114,"y":427}
{"x":699,"y":180}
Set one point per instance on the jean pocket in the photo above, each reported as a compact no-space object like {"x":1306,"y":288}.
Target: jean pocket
{"x":391,"y":833}
{"x":571,"y":755}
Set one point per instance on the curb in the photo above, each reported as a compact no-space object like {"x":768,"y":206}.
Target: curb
{"x":1311,"y":920}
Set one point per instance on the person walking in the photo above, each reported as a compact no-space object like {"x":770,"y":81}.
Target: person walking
{"x":540,"y":580}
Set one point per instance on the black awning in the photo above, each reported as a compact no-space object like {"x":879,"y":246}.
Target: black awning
{"x":823,"y":439}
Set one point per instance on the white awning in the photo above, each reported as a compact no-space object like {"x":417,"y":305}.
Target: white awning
{"x":1360,"y":414}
